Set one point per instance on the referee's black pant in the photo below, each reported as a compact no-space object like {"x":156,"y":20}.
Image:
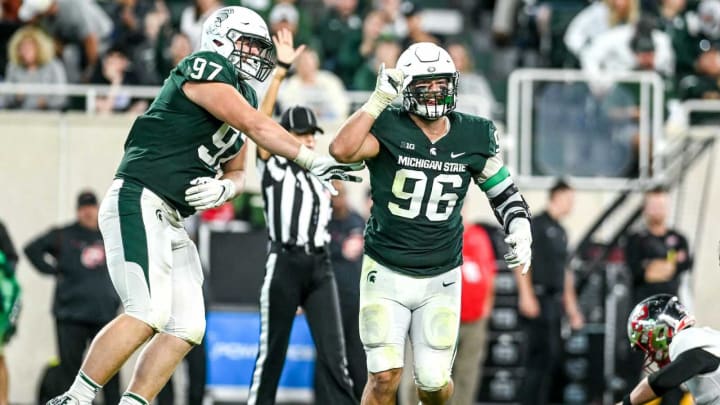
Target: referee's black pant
{"x":349,"y":289}
{"x":73,"y":339}
{"x":196,"y":362}
{"x":543,"y":351}
{"x":298,"y":277}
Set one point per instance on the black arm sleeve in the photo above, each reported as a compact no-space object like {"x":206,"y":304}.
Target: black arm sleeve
{"x":36,"y":250}
{"x":686,"y":365}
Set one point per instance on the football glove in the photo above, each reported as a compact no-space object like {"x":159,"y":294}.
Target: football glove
{"x":519,"y":241}
{"x":326,"y":168}
{"x":207,"y":192}
{"x":390,"y":84}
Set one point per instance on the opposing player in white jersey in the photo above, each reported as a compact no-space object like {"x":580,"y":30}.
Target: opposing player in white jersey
{"x":685,"y":354}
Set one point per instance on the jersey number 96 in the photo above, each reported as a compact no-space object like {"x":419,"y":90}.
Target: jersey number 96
{"x":416,"y":197}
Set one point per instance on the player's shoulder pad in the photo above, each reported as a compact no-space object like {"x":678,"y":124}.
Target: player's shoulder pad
{"x":687,"y":339}
{"x":479,"y":131}
{"x":207,"y":66}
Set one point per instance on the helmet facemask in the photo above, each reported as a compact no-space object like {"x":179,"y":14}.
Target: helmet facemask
{"x":419,"y":99}
{"x":653,"y":324}
{"x":653,"y":338}
{"x":253,"y":56}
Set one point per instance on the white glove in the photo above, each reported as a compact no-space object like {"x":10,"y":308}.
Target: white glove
{"x":207,"y":192}
{"x":326,"y":168}
{"x":390,"y":84}
{"x":519,"y":240}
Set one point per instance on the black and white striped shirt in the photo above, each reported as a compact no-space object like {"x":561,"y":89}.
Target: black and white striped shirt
{"x":297,"y":205}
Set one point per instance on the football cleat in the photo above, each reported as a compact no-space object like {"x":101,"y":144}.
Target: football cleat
{"x":64,"y":399}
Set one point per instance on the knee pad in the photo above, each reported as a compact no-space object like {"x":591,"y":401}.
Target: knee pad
{"x":383,"y":358}
{"x":431,"y":378}
{"x":440,"y":330}
{"x":191,"y":332}
{"x":155,"y":319}
{"x":440,"y":327}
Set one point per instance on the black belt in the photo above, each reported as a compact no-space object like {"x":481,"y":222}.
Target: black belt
{"x":278,"y":247}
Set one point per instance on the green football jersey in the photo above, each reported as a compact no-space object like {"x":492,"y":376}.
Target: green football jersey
{"x":418,"y":188}
{"x":176,"y":140}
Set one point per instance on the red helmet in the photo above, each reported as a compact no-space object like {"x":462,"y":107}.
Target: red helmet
{"x":652,"y":325}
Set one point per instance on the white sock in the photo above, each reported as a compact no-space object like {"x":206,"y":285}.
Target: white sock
{"x":131,"y":398}
{"x":84,"y":389}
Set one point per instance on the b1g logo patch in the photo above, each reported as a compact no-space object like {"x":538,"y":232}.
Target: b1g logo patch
{"x":407,"y":145}
{"x":221,"y":16}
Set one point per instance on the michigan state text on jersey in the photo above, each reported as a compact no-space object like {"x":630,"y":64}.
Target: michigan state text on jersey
{"x":418,"y":188}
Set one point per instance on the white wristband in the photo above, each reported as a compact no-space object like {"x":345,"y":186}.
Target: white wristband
{"x":305,"y":157}
{"x":377,"y":103}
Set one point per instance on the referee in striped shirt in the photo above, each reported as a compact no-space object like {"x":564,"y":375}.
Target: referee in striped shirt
{"x":298,"y":269}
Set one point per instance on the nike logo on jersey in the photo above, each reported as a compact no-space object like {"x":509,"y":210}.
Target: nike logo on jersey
{"x":446,"y":284}
{"x":454,"y":155}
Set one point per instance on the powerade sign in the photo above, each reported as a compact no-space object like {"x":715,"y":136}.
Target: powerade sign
{"x":232,"y":340}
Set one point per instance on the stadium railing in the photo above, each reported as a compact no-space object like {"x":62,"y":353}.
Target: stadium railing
{"x":90,"y":92}
{"x":558,"y":119}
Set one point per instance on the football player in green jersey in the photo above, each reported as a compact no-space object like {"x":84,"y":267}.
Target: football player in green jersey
{"x":183,"y":155}
{"x":422,"y":158}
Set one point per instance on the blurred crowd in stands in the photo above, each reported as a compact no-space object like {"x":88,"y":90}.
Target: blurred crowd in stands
{"x":137,"y":42}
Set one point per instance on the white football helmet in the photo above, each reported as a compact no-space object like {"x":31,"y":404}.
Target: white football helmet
{"x":228,"y":25}
{"x":709,"y":13}
{"x":420,"y":63}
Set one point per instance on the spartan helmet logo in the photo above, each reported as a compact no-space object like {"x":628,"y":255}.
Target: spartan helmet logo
{"x":219,"y":18}
{"x":371,"y":276}
{"x":233,"y":32}
{"x":433,"y":151}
